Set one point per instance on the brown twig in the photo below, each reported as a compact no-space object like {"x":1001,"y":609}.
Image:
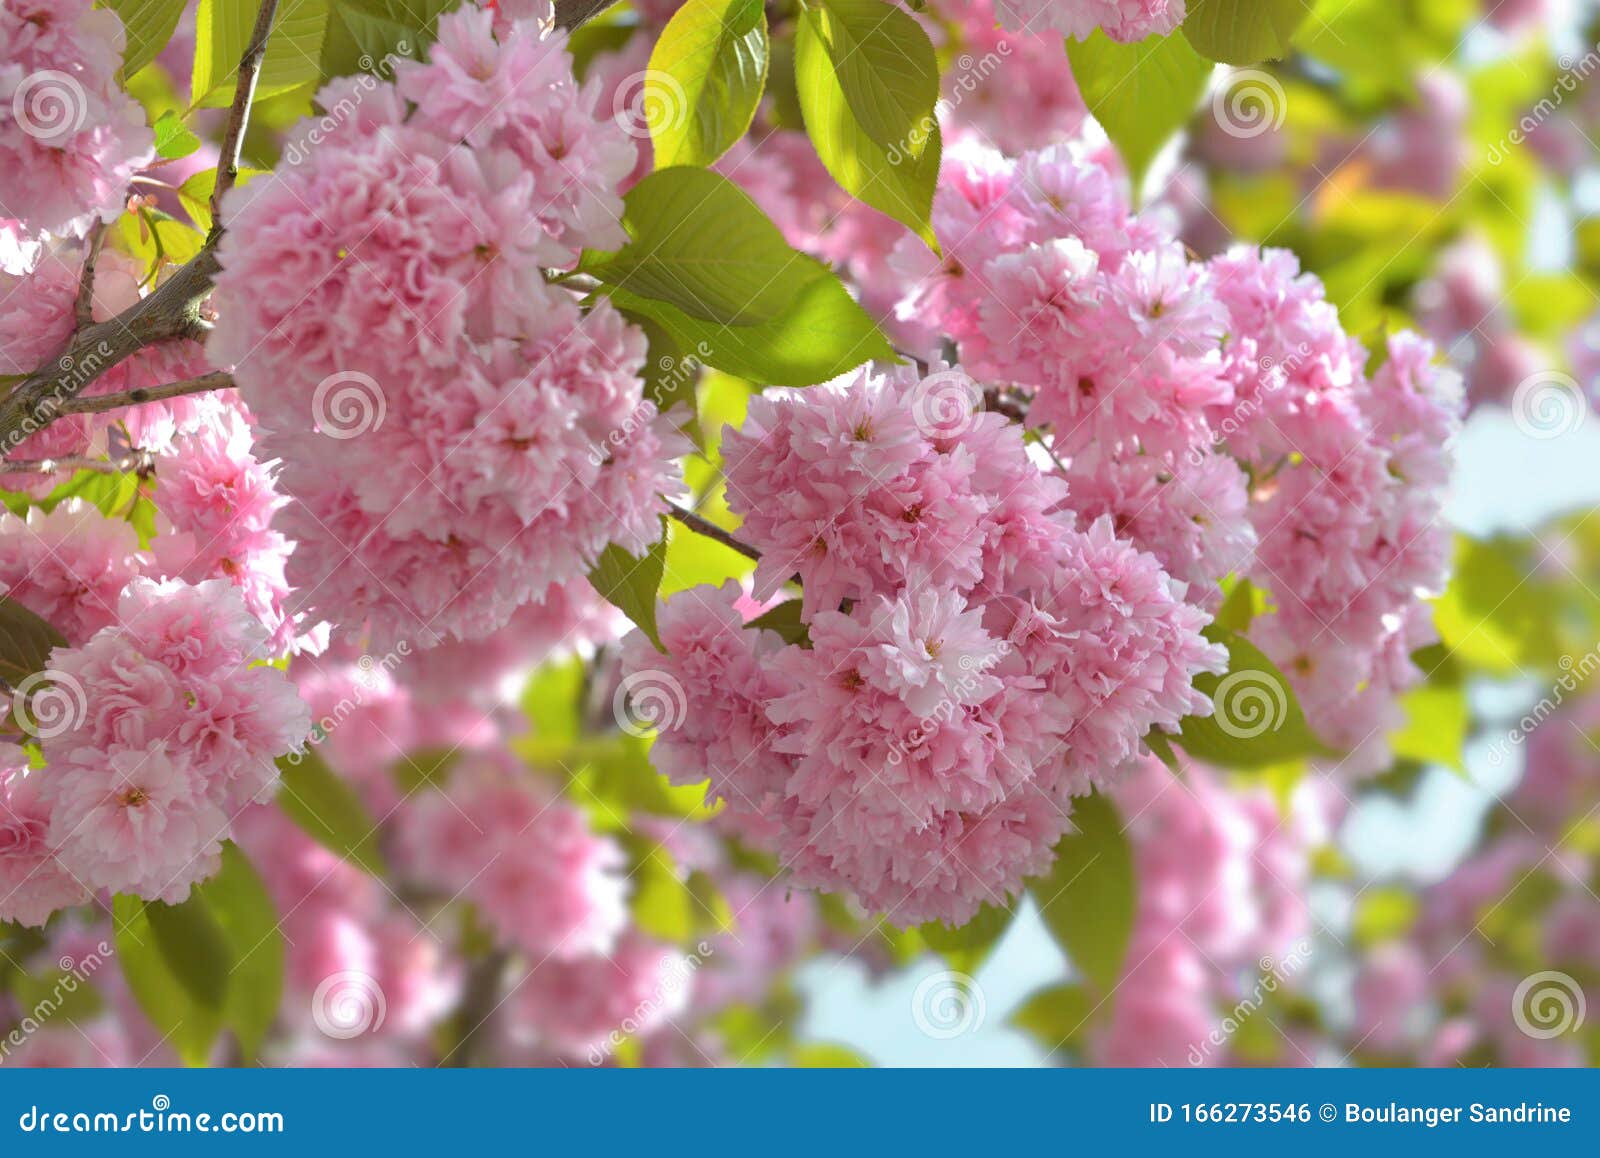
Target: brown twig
{"x":244,"y":92}
{"x":711,"y":531}
{"x":83,"y":308}
{"x":571,"y":13}
{"x":100,"y":403}
{"x":140,"y":463}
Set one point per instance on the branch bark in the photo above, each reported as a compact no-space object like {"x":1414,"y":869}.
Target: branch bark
{"x":172,"y":311}
{"x":244,"y":92}
{"x":204,"y":384}
{"x":710,"y":530}
{"x":571,"y":13}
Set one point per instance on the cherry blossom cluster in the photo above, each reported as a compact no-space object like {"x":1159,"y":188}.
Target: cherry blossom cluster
{"x":1123,"y":20}
{"x":1215,"y":411}
{"x":975,"y":655}
{"x":156,"y":732}
{"x":70,"y":136}
{"x":1221,"y":895}
{"x":458,"y":435}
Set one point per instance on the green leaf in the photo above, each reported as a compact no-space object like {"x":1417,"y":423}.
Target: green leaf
{"x":147,"y":25}
{"x":243,"y":912}
{"x":706,"y":75}
{"x":1054,"y":1016}
{"x":364,"y":34}
{"x":215,"y":960}
{"x":785,"y":620}
{"x":826,"y":1056}
{"x":1256,"y":719}
{"x":965,"y":948}
{"x":1436,"y":725}
{"x":1141,"y":93}
{"x":631,"y":584}
{"x":25,"y":642}
{"x":1243,"y":31}
{"x":1087,"y":899}
{"x":184,"y":1021}
{"x":173,"y":138}
{"x":822,"y":335}
{"x":886,"y":69}
{"x":222,"y":33}
{"x":1383,"y":914}
{"x":195,"y":193}
{"x":1496,"y":613}
{"x":862,"y":70}
{"x":328,"y":809}
{"x":699,"y":243}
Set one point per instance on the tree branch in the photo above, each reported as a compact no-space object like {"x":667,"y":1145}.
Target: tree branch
{"x":571,"y":13}
{"x":83,"y":308}
{"x":171,"y":311}
{"x":711,"y":531}
{"x":140,"y":463}
{"x":244,"y":93}
{"x":100,"y":403}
